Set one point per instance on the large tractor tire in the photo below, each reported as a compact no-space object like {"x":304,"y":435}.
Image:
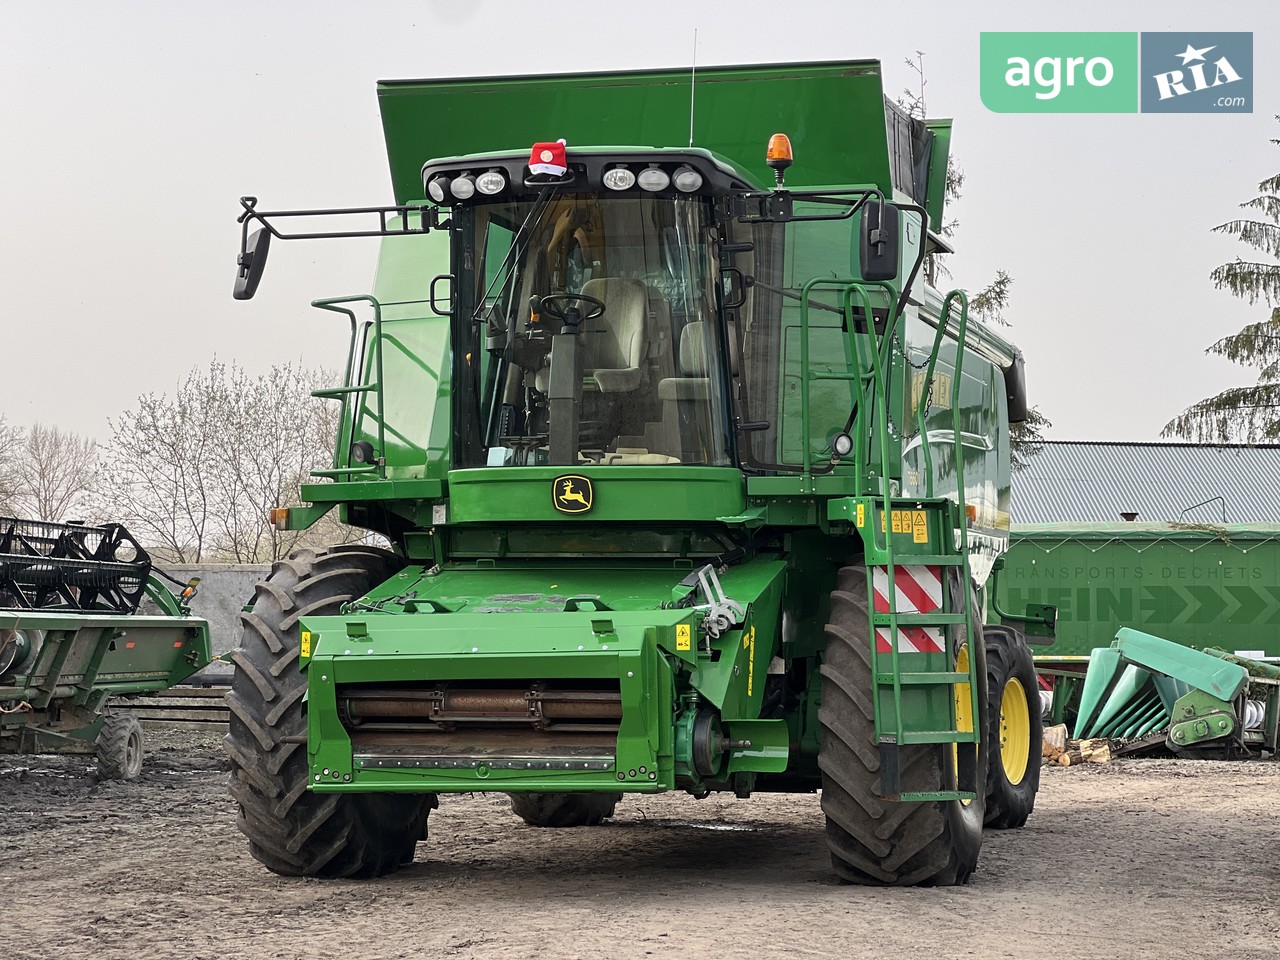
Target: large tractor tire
{"x":1014,"y":729}
{"x":564,"y":809}
{"x":119,"y":748}
{"x":291,"y":830}
{"x":874,"y":841}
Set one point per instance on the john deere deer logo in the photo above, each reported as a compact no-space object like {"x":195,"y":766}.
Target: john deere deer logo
{"x":571,"y":494}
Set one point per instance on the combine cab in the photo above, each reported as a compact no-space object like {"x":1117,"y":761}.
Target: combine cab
{"x":692,"y":483}
{"x":71,"y":638}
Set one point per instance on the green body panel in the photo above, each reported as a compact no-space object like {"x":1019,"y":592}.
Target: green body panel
{"x":621,"y":494}
{"x":83,"y":659}
{"x":736,"y":110}
{"x":1195,"y":585}
{"x":547,"y":622}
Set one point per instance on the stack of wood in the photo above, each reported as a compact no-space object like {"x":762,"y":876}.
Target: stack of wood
{"x":1058,"y":749}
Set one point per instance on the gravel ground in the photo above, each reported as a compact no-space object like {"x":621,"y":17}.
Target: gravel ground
{"x":1138,"y":858}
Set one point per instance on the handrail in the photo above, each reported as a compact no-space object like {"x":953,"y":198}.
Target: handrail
{"x":352,"y":416}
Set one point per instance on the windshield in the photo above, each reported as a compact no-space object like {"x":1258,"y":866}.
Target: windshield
{"x":587,"y":332}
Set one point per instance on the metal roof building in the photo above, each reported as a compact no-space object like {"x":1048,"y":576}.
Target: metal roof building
{"x":1083,"y":481}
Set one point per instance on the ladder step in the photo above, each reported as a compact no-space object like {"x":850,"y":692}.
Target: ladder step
{"x":337,"y":393}
{"x":917,"y":619}
{"x":901,"y":559}
{"x":937,"y":736}
{"x":923,"y":679}
{"x":921,"y":796}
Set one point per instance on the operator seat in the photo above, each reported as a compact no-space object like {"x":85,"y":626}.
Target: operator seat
{"x":686,"y":410}
{"x":615,"y":346}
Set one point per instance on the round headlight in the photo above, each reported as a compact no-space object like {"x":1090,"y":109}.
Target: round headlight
{"x":653,"y":178}
{"x":490,"y":182}
{"x":842,"y":445}
{"x":686,"y":179}
{"x":619,"y":178}
{"x":437,"y":188}
{"x":463,"y":187}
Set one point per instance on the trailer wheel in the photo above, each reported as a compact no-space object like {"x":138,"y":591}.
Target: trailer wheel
{"x":291,"y":830}
{"x":119,"y":748}
{"x":1014,"y":729}
{"x":564,"y":809}
{"x":873,"y":841}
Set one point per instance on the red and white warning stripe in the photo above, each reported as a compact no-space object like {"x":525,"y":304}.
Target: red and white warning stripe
{"x":919,"y":590}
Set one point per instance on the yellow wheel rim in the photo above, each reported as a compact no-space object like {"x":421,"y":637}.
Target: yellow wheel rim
{"x":964,"y":708}
{"x":1015,"y":731}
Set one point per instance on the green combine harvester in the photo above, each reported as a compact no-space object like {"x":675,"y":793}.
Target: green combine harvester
{"x":691,"y":481}
{"x":72,"y":640}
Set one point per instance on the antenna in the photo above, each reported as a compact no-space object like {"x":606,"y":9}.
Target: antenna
{"x":693,"y":77}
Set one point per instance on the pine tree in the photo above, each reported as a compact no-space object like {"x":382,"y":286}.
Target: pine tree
{"x":1248,"y":413}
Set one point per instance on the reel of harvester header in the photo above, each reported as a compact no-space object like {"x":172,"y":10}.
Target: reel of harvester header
{"x":70,"y":566}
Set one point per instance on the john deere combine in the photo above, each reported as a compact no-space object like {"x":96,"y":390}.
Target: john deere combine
{"x":691,"y":482}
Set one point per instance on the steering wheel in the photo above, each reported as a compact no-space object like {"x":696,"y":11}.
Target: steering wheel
{"x":554,"y":305}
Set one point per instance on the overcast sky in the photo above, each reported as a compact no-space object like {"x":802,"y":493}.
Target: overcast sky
{"x":129,"y":129}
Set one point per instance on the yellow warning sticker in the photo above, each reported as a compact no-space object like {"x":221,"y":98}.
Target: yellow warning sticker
{"x":914,"y":522}
{"x":683,"y":637}
{"x":306,"y":643}
{"x":862,"y":514}
{"x":749,"y":642}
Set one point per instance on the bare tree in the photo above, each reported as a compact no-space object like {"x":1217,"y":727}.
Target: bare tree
{"x":197,"y":474}
{"x":52,"y":472}
{"x":11,"y":438}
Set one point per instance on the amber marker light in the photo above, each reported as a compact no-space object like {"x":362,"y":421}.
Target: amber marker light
{"x":278,"y":517}
{"x":778,"y":155}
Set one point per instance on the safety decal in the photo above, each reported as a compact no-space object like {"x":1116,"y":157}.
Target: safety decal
{"x":918,"y":589}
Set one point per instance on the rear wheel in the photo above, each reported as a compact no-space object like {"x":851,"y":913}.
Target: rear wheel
{"x":119,"y":748}
{"x":291,"y":830}
{"x":1014,"y":729}
{"x":564,"y":809}
{"x":874,"y":841}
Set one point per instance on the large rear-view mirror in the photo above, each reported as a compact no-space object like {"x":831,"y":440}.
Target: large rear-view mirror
{"x":250,"y":263}
{"x":878,"y":247}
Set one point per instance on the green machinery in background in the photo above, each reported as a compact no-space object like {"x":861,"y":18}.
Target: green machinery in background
{"x":71,"y":639}
{"x":1195,"y":584}
{"x":691,"y":482}
{"x":1194,"y":702}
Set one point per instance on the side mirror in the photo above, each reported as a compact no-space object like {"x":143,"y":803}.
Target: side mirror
{"x":1015,"y":388}
{"x":878,"y":249}
{"x":250,"y":263}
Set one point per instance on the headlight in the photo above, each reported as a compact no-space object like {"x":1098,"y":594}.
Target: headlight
{"x":438,"y":188}
{"x":653,"y":179}
{"x":490,"y":182}
{"x":619,"y":178}
{"x":686,"y":179}
{"x":463,"y":187}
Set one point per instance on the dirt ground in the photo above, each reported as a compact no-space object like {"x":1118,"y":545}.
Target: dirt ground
{"x":1137,"y":858}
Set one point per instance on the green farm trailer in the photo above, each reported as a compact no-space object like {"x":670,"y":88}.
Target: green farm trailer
{"x":72,"y":640}
{"x":691,"y":482}
{"x":1195,"y":584}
